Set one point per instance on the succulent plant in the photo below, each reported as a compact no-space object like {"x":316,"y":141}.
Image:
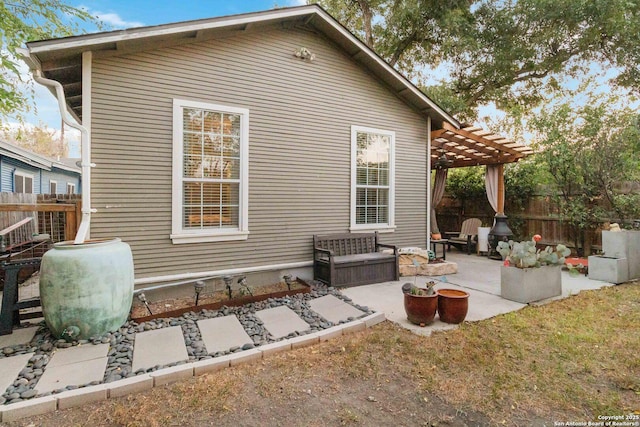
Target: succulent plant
{"x":525,"y":255}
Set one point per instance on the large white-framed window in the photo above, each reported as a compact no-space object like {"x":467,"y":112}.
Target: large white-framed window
{"x":23,"y":183}
{"x":71,"y":188}
{"x":372,"y":179}
{"x":53,"y":187}
{"x":210,"y":172}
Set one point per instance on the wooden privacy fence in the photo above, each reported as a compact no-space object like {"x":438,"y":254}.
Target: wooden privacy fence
{"x":51,"y":215}
{"x":539,"y":215}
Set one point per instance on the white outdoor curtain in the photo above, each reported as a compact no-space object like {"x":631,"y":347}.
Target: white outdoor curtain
{"x":436,"y":196}
{"x":491,"y":183}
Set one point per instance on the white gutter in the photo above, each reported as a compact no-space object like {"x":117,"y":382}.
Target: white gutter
{"x":85,"y":142}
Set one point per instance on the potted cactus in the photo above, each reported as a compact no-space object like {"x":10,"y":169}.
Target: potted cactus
{"x":420,"y":304}
{"x":531,"y":274}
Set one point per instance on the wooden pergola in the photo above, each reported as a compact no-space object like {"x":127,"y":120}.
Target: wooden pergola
{"x":474,"y":146}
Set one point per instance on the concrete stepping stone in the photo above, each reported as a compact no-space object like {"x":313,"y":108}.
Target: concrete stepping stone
{"x":81,"y":353}
{"x":18,"y":337}
{"x":334,"y":309}
{"x":74,"y":366}
{"x":10,"y":367}
{"x":159,"y":347}
{"x":223,"y":333}
{"x":281,"y":321}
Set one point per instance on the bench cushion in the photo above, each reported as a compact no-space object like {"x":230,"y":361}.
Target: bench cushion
{"x":359,"y":258}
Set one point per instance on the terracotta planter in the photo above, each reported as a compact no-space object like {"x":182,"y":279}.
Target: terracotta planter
{"x":421,"y":310}
{"x":452,"y":305}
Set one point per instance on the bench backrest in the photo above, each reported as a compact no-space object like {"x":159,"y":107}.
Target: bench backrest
{"x":347,"y":244}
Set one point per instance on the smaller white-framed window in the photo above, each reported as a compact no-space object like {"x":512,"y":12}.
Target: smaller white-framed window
{"x":71,"y":188}
{"x":53,"y":187}
{"x":23,"y":183}
{"x":372,"y":179}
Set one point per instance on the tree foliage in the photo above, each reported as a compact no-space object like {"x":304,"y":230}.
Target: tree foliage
{"x":509,"y":52}
{"x":589,"y":151}
{"x":38,"y":139}
{"x":27,"y":20}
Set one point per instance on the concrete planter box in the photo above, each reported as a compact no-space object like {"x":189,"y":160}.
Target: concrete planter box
{"x":525,"y":285}
{"x":612,"y":270}
{"x":623,"y":244}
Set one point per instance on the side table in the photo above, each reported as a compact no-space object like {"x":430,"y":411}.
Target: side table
{"x":434,"y":245}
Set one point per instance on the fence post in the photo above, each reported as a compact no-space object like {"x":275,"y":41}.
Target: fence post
{"x":70,"y":225}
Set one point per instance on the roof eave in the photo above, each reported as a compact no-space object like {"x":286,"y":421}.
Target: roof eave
{"x":403,"y":88}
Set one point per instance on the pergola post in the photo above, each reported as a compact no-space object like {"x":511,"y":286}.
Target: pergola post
{"x":500,"y":189}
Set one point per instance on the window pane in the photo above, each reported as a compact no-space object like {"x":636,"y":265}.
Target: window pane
{"x":212,"y":145}
{"x":192,"y":193}
{"x":192,"y":166}
{"x":360,"y":215}
{"x":371,"y":216}
{"x":28,"y":184}
{"x":212,"y":122}
{"x":192,"y":120}
{"x":211,"y":193}
{"x":361,"y":197}
{"x":361,"y":139}
{"x":19,"y":183}
{"x":231,"y":125}
{"x":231,"y":146}
{"x":211,"y":216}
{"x":372,"y":178}
{"x":211,"y":167}
{"x":230,"y":215}
{"x":192,"y":217}
{"x":383,"y":177}
{"x":231,"y":168}
{"x":361,"y":176}
{"x":383,"y":197}
{"x":230,"y":194}
{"x":372,"y":197}
{"x":383,"y":214}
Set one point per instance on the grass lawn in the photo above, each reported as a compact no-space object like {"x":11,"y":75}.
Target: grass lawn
{"x":568,"y":361}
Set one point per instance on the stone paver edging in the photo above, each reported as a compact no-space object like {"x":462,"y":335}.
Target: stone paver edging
{"x":84,"y":395}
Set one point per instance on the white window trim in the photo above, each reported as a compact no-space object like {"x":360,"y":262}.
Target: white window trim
{"x":72,"y":186}
{"x":24,"y":175}
{"x":382,"y":228}
{"x":52,"y":182}
{"x":180,"y":235}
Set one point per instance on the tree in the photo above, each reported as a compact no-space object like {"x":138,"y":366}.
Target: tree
{"x":509,"y":52}
{"x":589,"y":151}
{"x":38,"y":139}
{"x":26,"y":20}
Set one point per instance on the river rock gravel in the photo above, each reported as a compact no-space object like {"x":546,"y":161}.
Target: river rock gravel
{"x":121,"y":342}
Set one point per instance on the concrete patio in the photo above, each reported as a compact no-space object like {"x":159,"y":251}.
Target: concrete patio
{"x":477,"y":275}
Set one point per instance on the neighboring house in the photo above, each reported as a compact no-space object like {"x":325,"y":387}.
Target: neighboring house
{"x":22,"y":171}
{"x":222,"y":145}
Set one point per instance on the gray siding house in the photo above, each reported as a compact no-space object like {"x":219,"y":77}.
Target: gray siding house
{"x":222,"y":145}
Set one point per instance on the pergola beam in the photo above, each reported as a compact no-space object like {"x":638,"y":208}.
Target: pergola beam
{"x":482,"y":140}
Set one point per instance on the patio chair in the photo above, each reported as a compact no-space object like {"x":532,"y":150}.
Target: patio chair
{"x":467,"y":236}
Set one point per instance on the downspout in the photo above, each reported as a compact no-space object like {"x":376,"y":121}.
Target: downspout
{"x":428,"y":182}
{"x":85,"y":143}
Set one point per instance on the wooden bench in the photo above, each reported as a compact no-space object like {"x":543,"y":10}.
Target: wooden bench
{"x":353,"y":259}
